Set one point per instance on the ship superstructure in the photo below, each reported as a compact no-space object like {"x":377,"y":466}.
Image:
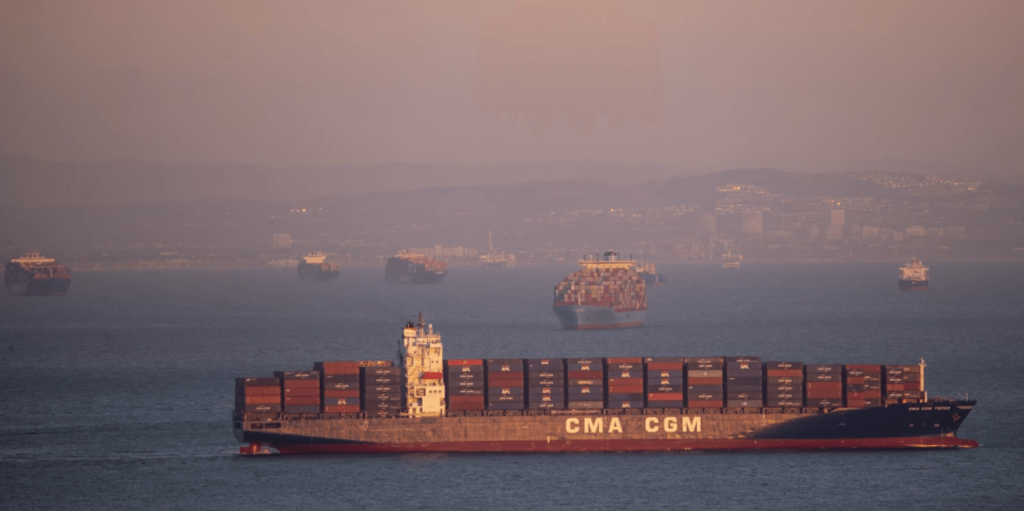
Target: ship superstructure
{"x":36,"y":275}
{"x":913,"y":276}
{"x":492,"y":259}
{"x":314,"y":266}
{"x":409,"y":268}
{"x":606,"y":292}
{"x":649,"y":272}
{"x":731,"y":261}
{"x":545,"y":405}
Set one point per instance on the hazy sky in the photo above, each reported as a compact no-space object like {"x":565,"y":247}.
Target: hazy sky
{"x":801,"y":85}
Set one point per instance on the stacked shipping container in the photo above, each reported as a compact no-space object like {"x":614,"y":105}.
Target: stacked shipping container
{"x":902,"y":382}
{"x":863,"y":385}
{"x":620,"y":288}
{"x":664,"y":380}
{"x":784,"y":384}
{"x":744,"y":383}
{"x":823,"y":385}
{"x":382,"y":390}
{"x":545,"y":382}
{"x":301,"y":391}
{"x":258,"y":397}
{"x":339,"y":386}
{"x":586,"y":383}
{"x":464,"y":379}
{"x":625,"y":382}
{"x":505,"y":384}
{"x":704,"y":382}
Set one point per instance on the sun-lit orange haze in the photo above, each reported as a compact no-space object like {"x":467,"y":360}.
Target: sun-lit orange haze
{"x":801,"y":85}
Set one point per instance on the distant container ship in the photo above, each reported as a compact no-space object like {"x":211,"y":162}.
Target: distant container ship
{"x":913,"y":276}
{"x":604,"y":293}
{"x":314,"y":266}
{"x":35,"y":275}
{"x":494,"y":259}
{"x":427,"y":403}
{"x":409,"y":268}
{"x":650,"y":274}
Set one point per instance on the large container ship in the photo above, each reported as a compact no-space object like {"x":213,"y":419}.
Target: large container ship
{"x":605,"y":293}
{"x":913,"y":276}
{"x":35,"y":275}
{"x":410,"y":268}
{"x":314,"y":266}
{"x":427,"y":403}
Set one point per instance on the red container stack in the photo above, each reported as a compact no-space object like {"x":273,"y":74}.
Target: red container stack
{"x":301,"y":391}
{"x":257,"y":397}
{"x":506,"y":380}
{"x":902,"y":383}
{"x":705,"y":380}
{"x":784,"y":384}
{"x":664,"y":380}
{"x":625,"y":382}
{"x":340,"y":386}
{"x":823,"y":385}
{"x":863,"y":385}
{"x":464,"y":381}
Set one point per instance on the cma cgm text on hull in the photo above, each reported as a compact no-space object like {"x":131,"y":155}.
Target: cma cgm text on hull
{"x":430,"y":404}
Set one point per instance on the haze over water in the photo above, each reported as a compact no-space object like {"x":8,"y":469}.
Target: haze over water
{"x":119,"y":395}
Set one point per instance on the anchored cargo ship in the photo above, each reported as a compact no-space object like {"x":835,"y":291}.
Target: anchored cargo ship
{"x":492,"y":259}
{"x":605,"y":293}
{"x":731,"y":261}
{"x":913,"y":276}
{"x":650,"y":274}
{"x":314,"y":266}
{"x":427,"y":403}
{"x":410,"y":268}
{"x":35,"y":275}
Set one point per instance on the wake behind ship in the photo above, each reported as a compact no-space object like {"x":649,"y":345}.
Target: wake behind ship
{"x":314,"y":266}
{"x":35,"y":275}
{"x":430,"y":404}
{"x":409,"y":268}
{"x":604,"y":293}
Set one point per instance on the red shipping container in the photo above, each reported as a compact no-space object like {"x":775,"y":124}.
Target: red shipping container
{"x":664,"y":366}
{"x":585,"y":374}
{"x":505,"y":377}
{"x":867,"y":368}
{"x":301,"y":392}
{"x":667,"y":396}
{"x":262,"y":391}
{"x":697,"y":403}
{"x":262,"y":400}
{"x":872,"y":394}
{"x":626,"y":389}
{"x":856,"y":396}
{"x":616,"y":373}
{"x":504,"y":383}
{"x":824,"y":385}
{"x":704,"y":381}
{"x":854,"y":380}
{"x":856,"y":403}
{"x":342,"y":409}
{"x":894,"y":386}
{"x":302,"y":384}
{"x":343,"y":367}
{"x":912,"y":385}
{"x":625,"y":360}
{"x":785,"y":372}
{"x":301,"y":401}
{"x":824,"y":394}
{"x":465,"y":399}
{"x":625,"y":381}
{"x":341,"y":393}
{"x":465,"y":362}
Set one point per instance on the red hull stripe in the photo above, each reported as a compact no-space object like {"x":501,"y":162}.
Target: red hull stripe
{"x":926,"y":442}
{"x":605,"y":326}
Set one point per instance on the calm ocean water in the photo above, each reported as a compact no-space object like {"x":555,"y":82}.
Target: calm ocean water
{"x":119,"y":396}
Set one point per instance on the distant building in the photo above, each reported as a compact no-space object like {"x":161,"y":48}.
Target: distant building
{"x":753,"y":222}
{"x":839,"y":217}
{"x":871,"y":233}
{"x":281,"y":241}
{"x":708,"y":224}
{"x":936,"y":232}
{"x":914,"y":231}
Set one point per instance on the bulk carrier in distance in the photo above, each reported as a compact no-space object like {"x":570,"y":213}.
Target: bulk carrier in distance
{"x":427,"y":403}
{"x":314,"y":266}
{"x":913,"y":276}
{"x":605,"y":293}
{"x":35,"y":275}
{"x":410,"y":268}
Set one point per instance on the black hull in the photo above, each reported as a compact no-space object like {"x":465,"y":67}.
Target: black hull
{"x":423,"y":277}
{"x":913,"y":285}
{"x":39,"y":287}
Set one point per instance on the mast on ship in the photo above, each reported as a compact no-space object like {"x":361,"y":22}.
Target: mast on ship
{"x":421,"y":356}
